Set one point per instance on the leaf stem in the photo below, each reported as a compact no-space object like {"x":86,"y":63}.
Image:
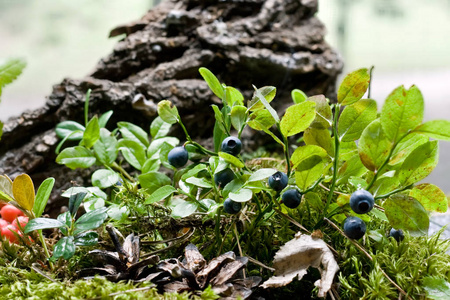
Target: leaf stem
{"x":122,"y":171}
{"x":44,"y":245}
{"x":392,"y":192}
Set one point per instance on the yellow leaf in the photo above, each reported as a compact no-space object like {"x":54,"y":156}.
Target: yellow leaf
{"x":23,"y":191}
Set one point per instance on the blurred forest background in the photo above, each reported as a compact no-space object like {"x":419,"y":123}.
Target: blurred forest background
{"x":406,"y":40}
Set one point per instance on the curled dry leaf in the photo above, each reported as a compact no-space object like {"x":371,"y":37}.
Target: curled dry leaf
{"x":296,"y":256}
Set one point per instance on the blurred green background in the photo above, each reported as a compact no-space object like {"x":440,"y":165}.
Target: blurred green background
{"x":406,"y":40}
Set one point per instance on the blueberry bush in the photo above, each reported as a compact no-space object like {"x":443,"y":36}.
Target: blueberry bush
{"x":345,"y":172}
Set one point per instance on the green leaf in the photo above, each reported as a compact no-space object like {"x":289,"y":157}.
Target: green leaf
{"x":75,"y":202}
{"x":213,"y":82}
{"x":104,"y":118}
{"x":347,"y":150}
{"x":310,"y":163}
{"x":436,"y":129}
{"x":91,"y":134}
{"x":201,"y":182}
{"x":104,"y":178}
{"x":233,"y":96}
{"x":42,"y":223}
{"x":155,"y":145}
{"x":65,"y":248}
{"x":66,"y":128}
{"x":402,"y":112}
{"x":182,"y":208}
{"x":355,"y":118}
{"x":219,"y":117}
{"x":89,"y":238}
{"x":76,"y":157}
{"x":261,"y":95}
{"x":404,"y":148}
{"x":261,"y":174}
{"x":159,"y":128}
{"x":231,"y":159}
{"x":90,"y":220}
{"x":436,"y":288}
{"x":106,"y":148}
{"x":153,"y":181}
{"x":419,"y":163}
{"x":304,"y":152}
{"x":118,"y":212}
{"x":261,"y":119}
{"x":42,"y":196}
{"x":406,"y":213}
{"x":431,"y":197}
{"x":218,"y":135}
{"x":297,"y":118}
{"x":353,"y":87}
{"x":10,"y":70}
{"x":6,"y":192}
{"x":324,"y":116}
{"x":150,"y":165}
{"x":135,"y":133}
{"x":133,"y":152}
{"x":23,"y":191}
{"x":298,"y":96}
{"x":374,"y":146}
{"x":66,"y":219}
{"x":319,"y":137}
{"x":261,"y":98}
{"x":238,"y":116}
{"x":168,"y":112}
{"x":352,"y":167}
{"x":160,"y":194}
{"x":242,"y":195}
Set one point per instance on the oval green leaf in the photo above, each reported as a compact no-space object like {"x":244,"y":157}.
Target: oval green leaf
{"x":355,"y":118}
{"x":76,"y":157}
{"x":374,"y":146}
{"x":42,"y":223}
{"x":66,"y":128}
{"x":406,"y":213}
{"x":431,"y":197}
{"x":91,"y":134}
{"x":106,"y":148}
{"x":42,"y":196}
{"x":353,"y":87}
{"x":231,"y":159}
{"x":168,"y":112}
{"x":104,"y":178}
{"x":436,"y":129}
{"x":242,"y":195}
{"x":160,"y":194}
{"x":213,"y":82}
{"x":297,"y":118}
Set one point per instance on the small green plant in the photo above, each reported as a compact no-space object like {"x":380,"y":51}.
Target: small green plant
{"x":77,"y":232}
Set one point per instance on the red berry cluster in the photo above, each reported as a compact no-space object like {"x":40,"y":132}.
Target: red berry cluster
{"x":10,"y":218}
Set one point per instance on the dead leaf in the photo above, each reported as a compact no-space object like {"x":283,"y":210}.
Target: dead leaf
{"x":296,"y":256}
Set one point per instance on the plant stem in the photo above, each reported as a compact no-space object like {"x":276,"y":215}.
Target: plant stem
{"x":392,"y":192}
{"x":122,"y":171}
{"x":44,"y":245}
{"x":370,"y":82}
{"x":336,"y":158}
{"x":185,"y":131}
{"x":201,"y":148}
{"x":286,"y":151}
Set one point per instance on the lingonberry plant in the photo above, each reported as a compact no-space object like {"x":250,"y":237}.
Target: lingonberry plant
{"x":355,"y":172}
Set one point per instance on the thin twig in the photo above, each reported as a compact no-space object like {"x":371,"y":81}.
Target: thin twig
{"x":256,"y":262}
{"x":189,"y":232}
{"x":291,"y":220}
{"x":40,"y":272}
{"x":369,"y":257}
{"x":186,"y":236}
{"x":327,"y":189}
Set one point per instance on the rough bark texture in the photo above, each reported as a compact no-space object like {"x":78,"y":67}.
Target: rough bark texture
{"x":244,"y":42}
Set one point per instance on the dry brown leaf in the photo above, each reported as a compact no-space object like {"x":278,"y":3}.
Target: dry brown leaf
{"x":296,"y":256}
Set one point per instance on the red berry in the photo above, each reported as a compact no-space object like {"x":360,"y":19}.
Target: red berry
{"x":22,"y":221}
{"x":10,"y":212}
{"x":6,"y":232}
{"x":3,"y":223}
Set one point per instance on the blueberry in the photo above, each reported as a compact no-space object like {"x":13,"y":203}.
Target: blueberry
{"x":278,"y":181}
{"x":291,"y":198}
{"x":178,"y":157}
{"x":231,"y":145}
{"x":397,"y":234}
{"x":231,"y":207}
{"x":223,"y":177}
{"x":361,"y":201}
{"x":354,"y":228}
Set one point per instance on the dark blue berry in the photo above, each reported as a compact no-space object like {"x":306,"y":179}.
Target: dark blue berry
{"x":178,"y":157}
{"x":397,"y":234}
{"x":223,"y":177}
{"x":354,"y":228}
{"x":361,"y":201}
{"x":291,"y":198}
{"x":278,"y":181}
{"x":231,"y":145}
{"x":231,"y":207}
